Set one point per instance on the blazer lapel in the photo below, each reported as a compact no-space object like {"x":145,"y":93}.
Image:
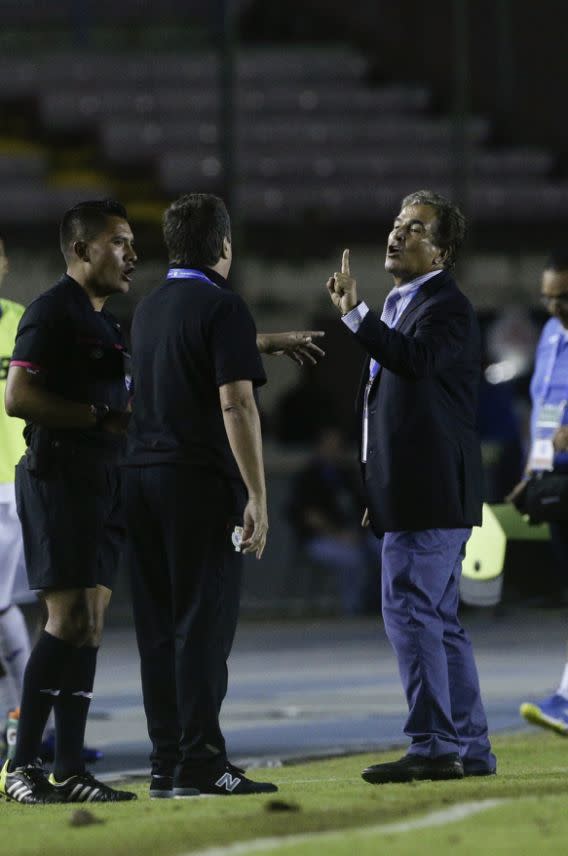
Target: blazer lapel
{"x":429,"y":288}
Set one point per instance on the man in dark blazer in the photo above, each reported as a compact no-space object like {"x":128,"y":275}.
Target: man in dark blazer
{"x":421,"y":464}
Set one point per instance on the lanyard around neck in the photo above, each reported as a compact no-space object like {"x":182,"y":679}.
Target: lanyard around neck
{"x":189,"y":273}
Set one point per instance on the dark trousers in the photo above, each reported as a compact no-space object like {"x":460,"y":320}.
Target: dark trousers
{"x":185,"y":577}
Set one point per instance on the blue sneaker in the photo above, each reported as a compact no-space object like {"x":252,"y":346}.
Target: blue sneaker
{"x":549,"y":713}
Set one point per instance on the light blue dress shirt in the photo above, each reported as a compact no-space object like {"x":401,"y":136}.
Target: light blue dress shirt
{"x":549,"y":384}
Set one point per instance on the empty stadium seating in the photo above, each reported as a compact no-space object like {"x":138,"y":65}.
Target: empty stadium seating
{"x":312,"y":136}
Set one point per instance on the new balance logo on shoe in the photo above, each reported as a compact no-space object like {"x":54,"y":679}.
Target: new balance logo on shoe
{"x":83,"y":694}
{"x":228,"y":782}
{"x":51,"y":692}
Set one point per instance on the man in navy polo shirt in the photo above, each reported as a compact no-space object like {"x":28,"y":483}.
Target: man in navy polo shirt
{"x":195,"y":495}
{"x":67,"y":380}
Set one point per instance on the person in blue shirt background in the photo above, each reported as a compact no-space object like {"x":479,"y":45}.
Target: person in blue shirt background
{"x":549,"y":448}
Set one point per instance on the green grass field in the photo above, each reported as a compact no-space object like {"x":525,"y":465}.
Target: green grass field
{"x":325,"y":807}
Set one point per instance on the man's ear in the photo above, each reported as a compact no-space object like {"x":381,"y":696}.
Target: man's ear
{"x":226,"y":251}
{"x":440,"y":258}
{"x":81,"y":250}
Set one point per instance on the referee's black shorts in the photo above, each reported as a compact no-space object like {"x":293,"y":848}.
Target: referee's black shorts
{"x":71,"y":518}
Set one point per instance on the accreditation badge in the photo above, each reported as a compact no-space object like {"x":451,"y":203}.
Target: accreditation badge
{"x":549,"y":419}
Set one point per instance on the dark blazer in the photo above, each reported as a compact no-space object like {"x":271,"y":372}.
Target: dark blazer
{"x":423,"y":467}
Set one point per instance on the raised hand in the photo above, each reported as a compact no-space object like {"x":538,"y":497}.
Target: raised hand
{"x":342,"y":287}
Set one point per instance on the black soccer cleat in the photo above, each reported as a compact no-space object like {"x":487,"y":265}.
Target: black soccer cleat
{"x":28,"y":785}
{"x":85,"y":788}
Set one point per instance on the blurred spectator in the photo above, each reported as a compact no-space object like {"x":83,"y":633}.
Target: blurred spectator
{"x":510,"y":341}
{"x":325,"y":509}
{"x":501,"y":438}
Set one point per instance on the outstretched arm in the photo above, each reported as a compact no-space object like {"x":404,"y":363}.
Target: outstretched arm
{"x":298,"y":345}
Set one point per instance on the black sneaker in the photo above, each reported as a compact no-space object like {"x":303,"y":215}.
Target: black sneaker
{"x":223,"y":780}
{"x":161,"y":787}
{"x":416,"y":768}
{"x":85,"y":788}
{"x":28,"y":785}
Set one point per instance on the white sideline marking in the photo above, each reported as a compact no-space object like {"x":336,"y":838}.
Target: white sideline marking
{"x":435,"y":818}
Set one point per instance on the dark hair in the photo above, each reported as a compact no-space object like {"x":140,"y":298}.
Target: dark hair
{"x":86,"y":220}
{"x":194,"y":228}
{"x":449,"y":231}
{"x":557,"y":260}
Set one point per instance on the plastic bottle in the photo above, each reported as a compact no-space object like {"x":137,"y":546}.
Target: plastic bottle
{"x":12,"y":731}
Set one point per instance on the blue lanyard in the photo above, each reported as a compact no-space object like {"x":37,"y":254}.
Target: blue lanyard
{"x":550,"y":368}
{"x":189,"y":273}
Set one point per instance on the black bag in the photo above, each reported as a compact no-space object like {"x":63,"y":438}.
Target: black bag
{"x":545,"y":498}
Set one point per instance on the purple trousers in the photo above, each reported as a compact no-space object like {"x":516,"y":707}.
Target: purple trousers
{"x":420,"y":576}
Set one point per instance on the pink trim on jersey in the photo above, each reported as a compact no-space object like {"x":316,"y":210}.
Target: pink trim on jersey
{"x":23,"y":364}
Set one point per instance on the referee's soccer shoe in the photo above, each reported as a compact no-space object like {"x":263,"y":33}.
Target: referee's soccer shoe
{"x":85,"y":788}
{"x":222,"y":779}
{"x":27,"y":785}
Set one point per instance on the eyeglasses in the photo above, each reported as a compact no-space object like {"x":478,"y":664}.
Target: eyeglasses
{"x":559,"y":298}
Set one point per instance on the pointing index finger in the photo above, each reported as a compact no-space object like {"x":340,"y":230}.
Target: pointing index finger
{"x":345,"y":262}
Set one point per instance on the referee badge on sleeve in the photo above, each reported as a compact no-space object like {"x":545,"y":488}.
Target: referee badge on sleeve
{"x":237,"y":538}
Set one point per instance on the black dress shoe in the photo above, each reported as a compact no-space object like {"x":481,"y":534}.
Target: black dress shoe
{"x":478,"y":770}
{"x":415,"y":767}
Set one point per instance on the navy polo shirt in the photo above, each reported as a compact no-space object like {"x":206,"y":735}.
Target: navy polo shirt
{"x":189,"y":337}
{"x":79,"y":352}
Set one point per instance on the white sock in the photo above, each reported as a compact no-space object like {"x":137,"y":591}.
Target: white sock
{"x":14,"y":648}
{"x":563,"y":688}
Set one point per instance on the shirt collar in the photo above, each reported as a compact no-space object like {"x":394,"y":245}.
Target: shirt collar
{"x":414,"y":284}
{"x":209,"y":273}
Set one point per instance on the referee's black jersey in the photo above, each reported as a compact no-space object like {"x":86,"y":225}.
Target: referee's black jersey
{"x":80,"y":353}
{"x":189,"y":337}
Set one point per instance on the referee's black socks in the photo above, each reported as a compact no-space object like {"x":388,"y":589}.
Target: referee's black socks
{"x":43,"y":680}
{"x":71,"y":709}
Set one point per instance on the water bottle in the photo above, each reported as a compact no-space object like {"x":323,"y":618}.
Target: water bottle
{"x":12,"y":732}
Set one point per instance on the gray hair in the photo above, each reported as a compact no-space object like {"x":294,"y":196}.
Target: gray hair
{"x":449,"y":231}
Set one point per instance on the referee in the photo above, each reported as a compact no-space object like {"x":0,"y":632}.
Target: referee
{"x":67,"y":380}
{"x":195,"y":496}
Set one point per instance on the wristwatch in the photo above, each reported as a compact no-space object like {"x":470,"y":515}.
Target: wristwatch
{"x":100,"y":412}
